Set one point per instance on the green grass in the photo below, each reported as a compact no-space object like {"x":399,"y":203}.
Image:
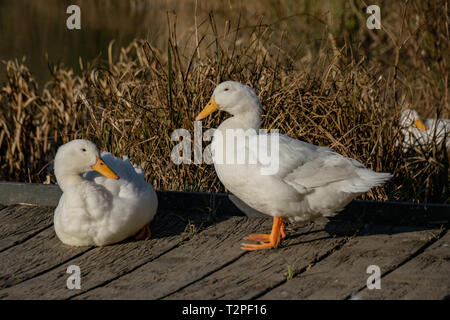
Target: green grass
{"x":290,"y":273}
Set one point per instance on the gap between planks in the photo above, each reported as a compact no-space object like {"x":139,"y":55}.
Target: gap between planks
{"x":433,"y":261}
{"x":201,"y":277}
{"x":344,"y":271}
{"x":255,"y":272}
{"x":37,"y":283}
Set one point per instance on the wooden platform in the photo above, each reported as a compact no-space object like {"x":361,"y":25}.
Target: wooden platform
{"x":195,"y":255}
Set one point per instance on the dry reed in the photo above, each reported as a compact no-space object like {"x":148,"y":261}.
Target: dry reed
{"x":131,"y":104}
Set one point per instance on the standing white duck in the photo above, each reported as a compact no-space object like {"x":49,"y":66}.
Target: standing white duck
{"x":100,"y":209}
{"x":311,"y":181}
{"x":421,"y":133}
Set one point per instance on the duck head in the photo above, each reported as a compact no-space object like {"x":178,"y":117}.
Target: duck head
{"x":77,"y":157}
{"x":410,"y":118}
{"x":233,"y":97}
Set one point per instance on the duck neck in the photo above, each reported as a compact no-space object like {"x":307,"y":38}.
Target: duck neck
{"x":247,"y":120}
{"x":67,"y":181}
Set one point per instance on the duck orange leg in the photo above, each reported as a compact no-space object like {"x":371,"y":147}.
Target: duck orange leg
{"x":267,"y":241}
{"x":144,"y":233}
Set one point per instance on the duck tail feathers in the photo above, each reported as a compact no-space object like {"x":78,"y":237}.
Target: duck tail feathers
{"x":369,"y":179}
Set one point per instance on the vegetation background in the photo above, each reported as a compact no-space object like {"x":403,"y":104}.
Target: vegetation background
{"x":139,"y":69}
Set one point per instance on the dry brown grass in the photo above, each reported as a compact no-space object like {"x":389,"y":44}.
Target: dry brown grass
{"x":131,"y":104}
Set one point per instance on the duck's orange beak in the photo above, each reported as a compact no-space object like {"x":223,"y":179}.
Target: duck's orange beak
{"x":101,"y":167}
{"x":420,"y":125}
{"x":210,"y":108}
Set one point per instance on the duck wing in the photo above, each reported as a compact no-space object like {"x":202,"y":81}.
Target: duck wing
{"x":307,"y":167}
{"x":131,"y":177}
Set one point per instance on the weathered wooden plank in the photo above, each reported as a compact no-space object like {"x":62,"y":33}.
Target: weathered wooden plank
{"x":97,"y":266}
{"x":27,"y":259}
{"x":344,"y":272}
{"x":33,"y":193}
{"x":207,"y":251}
{"x":101,"y":265}
{"x":18,"y":223}
{"x":256,"y":272}
{"x":426,"y":276}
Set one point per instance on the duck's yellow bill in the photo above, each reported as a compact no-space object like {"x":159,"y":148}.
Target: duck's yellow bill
{"x":420,"y":125}
{"x":210,"y":108}
{"x":101,"y":167}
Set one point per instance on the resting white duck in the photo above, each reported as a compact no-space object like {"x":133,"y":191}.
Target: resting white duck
{"x":105,"y":199}
{"x":311,"y":181}
{"x":417,"y":132}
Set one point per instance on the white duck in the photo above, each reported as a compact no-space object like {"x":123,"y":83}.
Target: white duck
{"x":421,"y":133}
{"x":311,"y":181}
{"x":100,"y":209}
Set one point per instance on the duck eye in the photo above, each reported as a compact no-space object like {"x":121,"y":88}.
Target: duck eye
{"x":226,"y":89}
{"x":84,"y":150}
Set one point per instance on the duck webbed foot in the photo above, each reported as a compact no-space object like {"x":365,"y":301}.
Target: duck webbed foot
{"x":267,"y":241}
{"x":144,"y":233}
